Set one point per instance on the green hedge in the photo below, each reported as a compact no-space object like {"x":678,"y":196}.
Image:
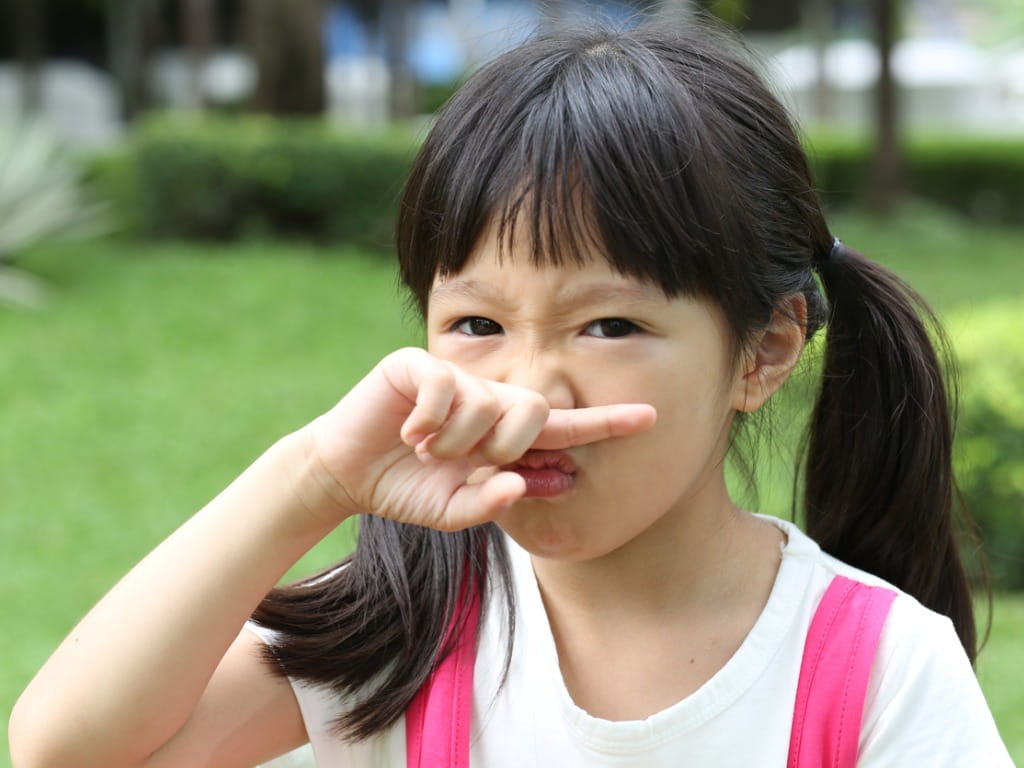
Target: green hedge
{"x":989,"y":343}
{"x":981,"y":177}
{"x":226,"y":178}
{"x":231,"y":177}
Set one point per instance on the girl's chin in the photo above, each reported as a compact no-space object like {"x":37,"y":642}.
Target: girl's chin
{"x":543,"y":530}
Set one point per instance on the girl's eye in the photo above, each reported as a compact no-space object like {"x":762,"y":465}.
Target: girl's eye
{"x":611,"y":328}
{"x":477,"y":326}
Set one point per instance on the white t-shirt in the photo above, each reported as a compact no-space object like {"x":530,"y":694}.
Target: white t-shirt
{"x":924,"y":706}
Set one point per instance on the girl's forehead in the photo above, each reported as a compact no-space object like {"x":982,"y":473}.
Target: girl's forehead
{"x":510,"y":277}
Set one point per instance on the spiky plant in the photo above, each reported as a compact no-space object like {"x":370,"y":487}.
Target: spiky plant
{"x":41,"y":198}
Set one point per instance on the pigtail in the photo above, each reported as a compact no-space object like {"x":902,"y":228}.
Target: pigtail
{"x":879,"y":487}
{"x":374,"y":627}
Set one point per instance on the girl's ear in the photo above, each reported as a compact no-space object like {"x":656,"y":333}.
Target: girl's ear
{"x":772,"y":358}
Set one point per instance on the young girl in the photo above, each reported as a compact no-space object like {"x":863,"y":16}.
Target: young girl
{"x":617,"y":250}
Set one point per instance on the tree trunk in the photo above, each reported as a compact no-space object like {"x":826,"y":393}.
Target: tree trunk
{"x":132,"y":32}
{"x":286,"y":41}
{"x":197,"y":26}
{"x":887,"y":174}
{"x":401,"y":87}
{"x":29,"y":25}
{"x":820,"y":18}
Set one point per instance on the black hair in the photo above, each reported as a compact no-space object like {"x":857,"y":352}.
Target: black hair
{"x":661,"y":149}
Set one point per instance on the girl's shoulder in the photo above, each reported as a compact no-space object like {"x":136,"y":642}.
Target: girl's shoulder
{"x":909,"y":622}
{"x":923,"y":699}
{"x":819,"y":567}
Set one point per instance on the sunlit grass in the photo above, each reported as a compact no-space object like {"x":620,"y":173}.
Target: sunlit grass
{"x":153,"y":379}
{"x":1001,"y":670}
{"x":159,"y":372}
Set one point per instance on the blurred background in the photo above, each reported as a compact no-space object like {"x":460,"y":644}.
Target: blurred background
{"x":196,"y":201}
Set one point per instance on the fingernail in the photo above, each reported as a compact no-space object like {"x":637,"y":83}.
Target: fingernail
{"x":425,"y":457}
{"x":415,"y":439}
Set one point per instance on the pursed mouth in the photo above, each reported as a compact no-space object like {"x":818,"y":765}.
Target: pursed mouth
{"x":540,"y":460}
{"x":548,"y":474}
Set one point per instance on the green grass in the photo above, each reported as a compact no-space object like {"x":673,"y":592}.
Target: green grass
{"x":1001,"y":671}
{"x":952,"y":263}
{"x":155,"y":377}
{"x":159,"y":372}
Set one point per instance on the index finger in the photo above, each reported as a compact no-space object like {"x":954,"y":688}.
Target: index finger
{"x":578,"y":426}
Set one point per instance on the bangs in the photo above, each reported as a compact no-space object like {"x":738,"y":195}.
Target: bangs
{"x":590,"y":172}
{"x":594,"y":144}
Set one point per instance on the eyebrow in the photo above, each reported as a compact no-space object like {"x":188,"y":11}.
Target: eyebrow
{"x":590,"y":293}
{"x":466,"y":289}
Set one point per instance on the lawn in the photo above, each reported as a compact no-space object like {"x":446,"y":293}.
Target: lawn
{"x":160,"y":371}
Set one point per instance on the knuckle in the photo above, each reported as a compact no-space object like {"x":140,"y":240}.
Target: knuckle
{"x":497,"y":452}
{"x":531,"y":412}
{"x":490,"y":408}
{"x":406,"y":355}
{"x":537,"y":405}
{"x":441,"y":376}
{"x":479,"y":400}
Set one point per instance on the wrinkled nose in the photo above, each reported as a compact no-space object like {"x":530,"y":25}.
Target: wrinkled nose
{"x":544,"y":372}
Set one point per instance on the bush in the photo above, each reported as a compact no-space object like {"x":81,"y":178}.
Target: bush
{"x":989,"y":341}
{"x":982,"y":177}
{"x":225,"y":178}
{"x":228,"y":177}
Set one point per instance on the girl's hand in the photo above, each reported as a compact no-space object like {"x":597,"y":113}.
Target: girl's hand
{"x":403,"y":443}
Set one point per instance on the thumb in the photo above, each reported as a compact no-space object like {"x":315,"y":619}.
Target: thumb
{"x":476,"y":503}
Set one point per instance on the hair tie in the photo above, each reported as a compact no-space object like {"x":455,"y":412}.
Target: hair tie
{"x":833,"y":254}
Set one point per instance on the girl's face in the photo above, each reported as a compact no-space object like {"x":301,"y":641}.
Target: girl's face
{"x":585,"y":336}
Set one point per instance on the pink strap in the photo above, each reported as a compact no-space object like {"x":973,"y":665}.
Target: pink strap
{"x":437,"y":720}
{"x":838,"y":654}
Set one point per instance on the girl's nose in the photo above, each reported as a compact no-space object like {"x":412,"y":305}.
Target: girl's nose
{"x":544,"y":373}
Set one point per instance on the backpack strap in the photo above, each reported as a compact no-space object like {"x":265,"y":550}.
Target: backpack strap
{"x":838,"y":654}
{"x":437,"y":721}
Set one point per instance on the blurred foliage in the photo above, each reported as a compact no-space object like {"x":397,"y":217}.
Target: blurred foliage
{"x":732,"y":12}
{"x":982,"y":177}
{"x":989,"y":342}
{"x":1002,"y":20}
{"x":41,"y":198}
{"x":228,"y":177}
{"x":225,"y":178}
{"x":41,"y":195}
{"x":430,"y":97}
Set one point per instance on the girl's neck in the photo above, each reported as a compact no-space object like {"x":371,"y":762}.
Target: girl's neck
{"x":685,"y":561}
{"x":647,"y":625}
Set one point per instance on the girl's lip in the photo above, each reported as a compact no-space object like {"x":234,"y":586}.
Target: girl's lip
{"x":536,"y":459}
{"x":547,"y":473}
